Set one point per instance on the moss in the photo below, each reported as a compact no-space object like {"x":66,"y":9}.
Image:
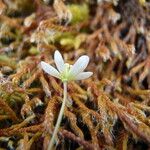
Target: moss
{"x":80,"y":13}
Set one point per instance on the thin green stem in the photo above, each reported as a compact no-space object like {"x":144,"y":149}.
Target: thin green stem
{"x":59,"y":118}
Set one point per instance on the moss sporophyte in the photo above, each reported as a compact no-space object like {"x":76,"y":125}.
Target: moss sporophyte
{"x":66,"y":73}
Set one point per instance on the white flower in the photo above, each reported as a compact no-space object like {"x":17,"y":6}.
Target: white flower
{"x":65,"y":71}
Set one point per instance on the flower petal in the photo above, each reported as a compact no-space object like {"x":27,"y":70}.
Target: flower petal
{"x":83,"y":75}
{"x":59,"y":61}
{"x":79,"y":65}
{"x":49,"y":69}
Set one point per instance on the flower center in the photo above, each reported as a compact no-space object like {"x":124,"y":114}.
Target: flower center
{"x":65,"y":75}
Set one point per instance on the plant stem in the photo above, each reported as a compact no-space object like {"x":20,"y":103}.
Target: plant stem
{"x":59,"y":117}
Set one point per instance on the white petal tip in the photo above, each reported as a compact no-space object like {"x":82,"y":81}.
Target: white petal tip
{"x":57,"y":52}
{"x":43,"y":64}
{"x":59,"y":61}
{"x":79,"y":65}
{"x":85,"y":58}
{"x":49,"y":69}
{"x":83,"y":75}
